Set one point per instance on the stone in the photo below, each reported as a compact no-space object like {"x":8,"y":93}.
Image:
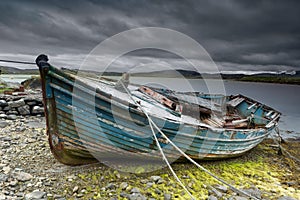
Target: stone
{"x":11,"y":117}
{"x":6,"y":108}
{"x":211,"y":197}
{"x":71,"y":178}
{"x":3,"y":115}
{"x":16,"y":104}
{"x":253,"y":192}
{"x":286,"y":198}
{"x":36,"y":124}
{"x":75,"y":189}
{"x":185,"y":177}
{"x":3,"y":103}
{"x":156,"y":179}
{"x":24,"y":110}
{"x":221,"y":188}
{"x":215,"y":192}
{"x":83,"y":191}
{"x":291,"y":183}
{"x":18,"y":169}
{"x":6,"y":170}
{"x":124,"y":195}
{"x":149,"y":185}
{"x":37,"y":110}
{"x":123,"y":185}
{"x":20,"y":194}
{"x":157,"y":191}
{"x":13,"y":183}
{"x":12,"y":112}
{"x":3,"y":124}
{"x":20,"y":129}
{"x":23,"y":176}
{"x":5,"y":145}
{"x":111,"y":186}
{"x":31,"y":103}
{"x":35,"y":195}
{"x":57,"y":196}
{"x":167,"y":196}
{"x":135,"y":190}
{"x":3,"y":177}
{"x":240,"y":198}
{"x":136,"y":196}
{"x":2,"y":196}
{"x":144,"y":181}
{"x":6,"y":139}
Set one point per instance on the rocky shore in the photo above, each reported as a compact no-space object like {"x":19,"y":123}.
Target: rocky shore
{"x":21,"y":103}
{"x":29,"y":171}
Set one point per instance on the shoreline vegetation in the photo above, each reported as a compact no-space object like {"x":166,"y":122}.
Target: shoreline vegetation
{"x":279,"y":80}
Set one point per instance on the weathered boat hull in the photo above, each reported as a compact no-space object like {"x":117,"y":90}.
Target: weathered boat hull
{"x":82,"y":126}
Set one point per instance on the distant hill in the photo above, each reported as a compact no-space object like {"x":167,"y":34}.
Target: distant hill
{"x":193,"y":74}
{"x":285,"y":78}
{"x":289,"y":78}
{"x":13,"y":70}
{"x":169,"y":73}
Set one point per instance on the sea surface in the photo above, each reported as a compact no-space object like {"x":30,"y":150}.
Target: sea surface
{"x":15,"y":78}
{"x":282,"y":97}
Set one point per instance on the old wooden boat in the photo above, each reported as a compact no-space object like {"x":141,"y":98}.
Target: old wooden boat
{"x":87,"y":118}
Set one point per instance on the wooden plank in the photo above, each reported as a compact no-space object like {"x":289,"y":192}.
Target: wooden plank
{"x":161,"y":99}
{"x":250,"y":107}
{"x":235,"y":102}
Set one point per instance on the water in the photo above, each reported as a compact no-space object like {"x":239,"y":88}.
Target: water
{"x":282,"y":97}
{"x":14,"y":78}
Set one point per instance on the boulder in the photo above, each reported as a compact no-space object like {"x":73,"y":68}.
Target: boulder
{"x":24,"y":110}
{"x":17,"y":103}
{"x":37,"y":110}
{"x":3,"y":103}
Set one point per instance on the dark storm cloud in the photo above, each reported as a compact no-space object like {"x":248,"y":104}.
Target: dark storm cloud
{"x":256,"y":35}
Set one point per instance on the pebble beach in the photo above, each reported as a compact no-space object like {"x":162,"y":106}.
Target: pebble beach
{"x":29,"y":171}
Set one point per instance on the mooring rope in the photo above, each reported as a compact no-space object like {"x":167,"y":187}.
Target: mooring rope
{"x":17,"y":62}
{"x":181,"y":152}
{"x":157,"y":142}
{"x":282,"y":149}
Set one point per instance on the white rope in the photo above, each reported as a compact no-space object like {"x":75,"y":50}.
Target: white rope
{"x":157,"y":142}
{"x":204,"y":169}
{"x":183,"y":153}
{"x":281,"y":148}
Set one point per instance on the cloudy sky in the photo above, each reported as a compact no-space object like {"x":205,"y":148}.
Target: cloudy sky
{"x":239,"y":35}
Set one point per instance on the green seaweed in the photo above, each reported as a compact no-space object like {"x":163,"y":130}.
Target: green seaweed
{"x":259,"y":169}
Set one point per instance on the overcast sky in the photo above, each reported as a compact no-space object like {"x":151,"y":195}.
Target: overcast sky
{"x":239,"y":35}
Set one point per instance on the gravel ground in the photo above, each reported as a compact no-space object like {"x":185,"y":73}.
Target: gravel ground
{"x":29,"y":171}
